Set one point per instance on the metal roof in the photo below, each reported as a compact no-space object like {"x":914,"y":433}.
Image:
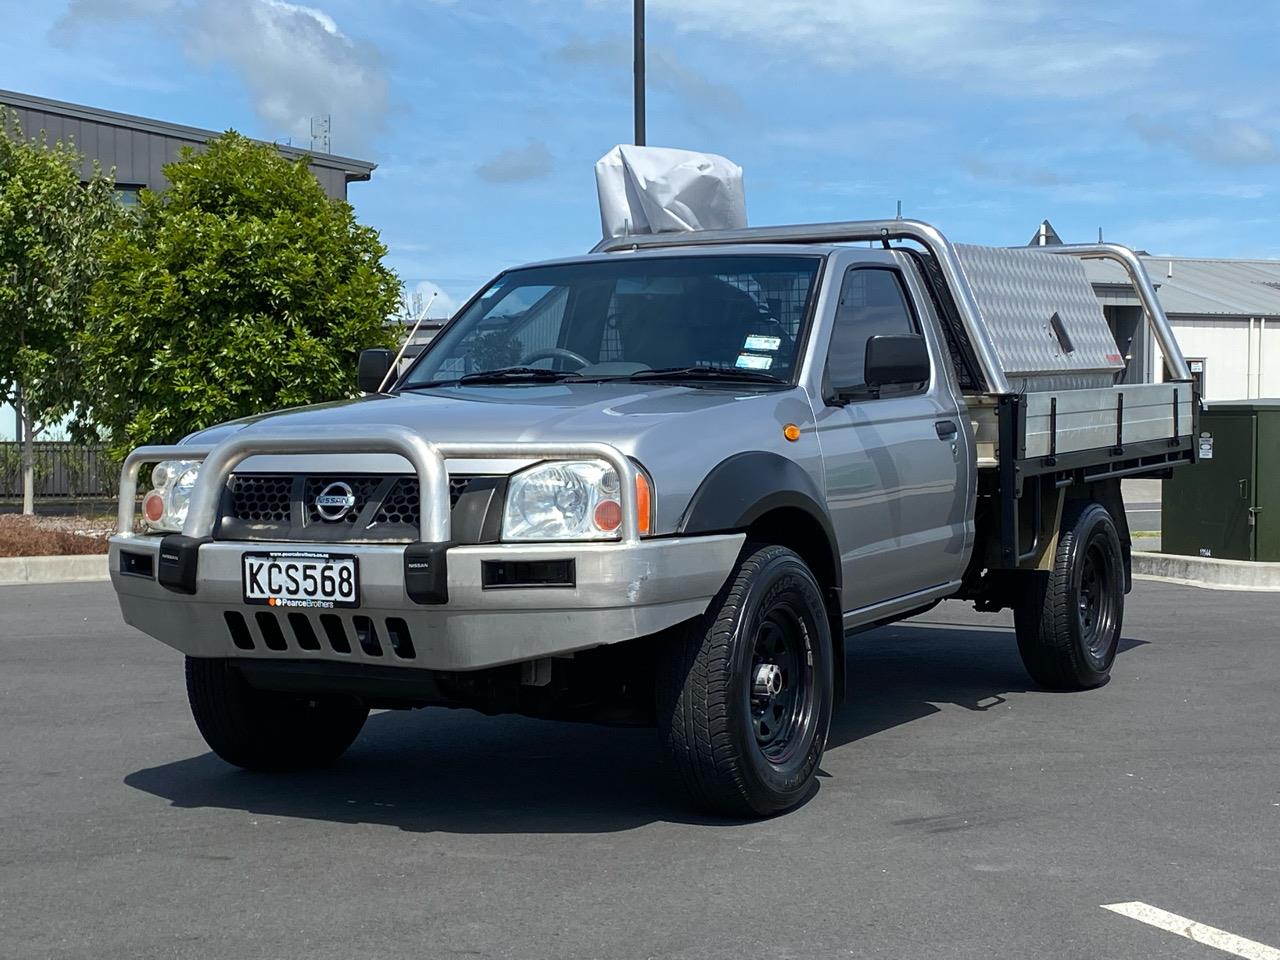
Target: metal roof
{"x":355,"y":169}
{"x":1204,"y":287}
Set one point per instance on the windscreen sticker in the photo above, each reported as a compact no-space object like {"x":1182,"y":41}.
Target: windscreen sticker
{"x":758,"y":341}
{"x":749,"y":361}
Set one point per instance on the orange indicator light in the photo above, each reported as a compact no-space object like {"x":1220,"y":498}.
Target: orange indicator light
{"x":644,"y":502}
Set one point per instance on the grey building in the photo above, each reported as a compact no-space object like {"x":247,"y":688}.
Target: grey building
{"x":138,"y":148}
{"x":1225,"y":314}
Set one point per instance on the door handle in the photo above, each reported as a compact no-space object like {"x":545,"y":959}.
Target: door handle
{"x":946,"y":429}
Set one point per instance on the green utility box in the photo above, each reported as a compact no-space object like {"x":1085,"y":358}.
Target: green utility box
{"x":1228,"y":504}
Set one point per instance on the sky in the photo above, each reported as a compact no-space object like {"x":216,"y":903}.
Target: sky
{"x":1158,"y":122}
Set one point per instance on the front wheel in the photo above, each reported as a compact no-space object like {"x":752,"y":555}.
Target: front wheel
{"x":745,"y":691}
{"x":1068,"y":623}
{"x":265,"y":730}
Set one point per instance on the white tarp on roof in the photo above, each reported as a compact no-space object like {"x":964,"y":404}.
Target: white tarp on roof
{"x":659,"y":190}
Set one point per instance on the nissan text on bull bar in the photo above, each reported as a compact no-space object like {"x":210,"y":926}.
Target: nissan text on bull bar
{"x":666,"y":483}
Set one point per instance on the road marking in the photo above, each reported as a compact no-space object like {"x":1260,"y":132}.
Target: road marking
{"x":1199,"y":932}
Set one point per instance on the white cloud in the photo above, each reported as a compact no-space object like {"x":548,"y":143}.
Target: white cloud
{"x":296,"y":63}
{"x":426,"y":299}
{"x":1220,"y":141}
{"x":78,"y":10}
{"x":1011,"y":174}
{"x":1034,"y":46}
{"x":664,"y":72}
{"x":295,"y":60}
{"x":1163,"y":236}
{"x":517,"y":164}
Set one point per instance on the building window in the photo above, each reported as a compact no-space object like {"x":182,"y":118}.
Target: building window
{"x":127,"y":194}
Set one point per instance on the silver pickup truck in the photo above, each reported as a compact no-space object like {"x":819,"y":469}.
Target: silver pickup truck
{"x":665,"y":483}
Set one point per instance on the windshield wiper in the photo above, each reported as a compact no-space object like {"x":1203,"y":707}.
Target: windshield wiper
{"x":706,"y":373}
{"x":520,"y":374}
{"x":543,"y":375}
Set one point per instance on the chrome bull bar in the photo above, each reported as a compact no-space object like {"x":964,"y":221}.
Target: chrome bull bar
{"x":426,"y":458}
{"x":1145,"y":290}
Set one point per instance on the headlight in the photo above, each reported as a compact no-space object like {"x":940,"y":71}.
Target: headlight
{"x":165,"y":507}
{"x":569,"y":500}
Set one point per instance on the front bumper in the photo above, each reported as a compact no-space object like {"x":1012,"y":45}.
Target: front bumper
{"x":622,"y":591}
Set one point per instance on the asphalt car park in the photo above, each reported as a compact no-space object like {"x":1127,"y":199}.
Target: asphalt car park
{"x":960,"y":812}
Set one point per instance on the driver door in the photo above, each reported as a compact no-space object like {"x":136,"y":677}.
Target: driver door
{"x":896,"y":464}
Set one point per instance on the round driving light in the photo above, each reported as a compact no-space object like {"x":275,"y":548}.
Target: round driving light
{"x":153,"y":507}
{"x":608,"y":515}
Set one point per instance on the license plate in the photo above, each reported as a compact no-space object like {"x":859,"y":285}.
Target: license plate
{"x":301,"y":580}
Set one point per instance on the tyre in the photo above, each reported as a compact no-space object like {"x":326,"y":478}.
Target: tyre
{"x":264,"y":730}
{"x":745,"y":691}
{"x":1068,"y":622}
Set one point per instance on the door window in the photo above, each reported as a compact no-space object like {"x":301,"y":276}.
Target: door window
{"x":872,"y":302}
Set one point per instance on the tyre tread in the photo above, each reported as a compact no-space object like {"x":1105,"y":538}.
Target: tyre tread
{"x":259,"y":731}
{"x":1044,"y":618}
{"x":693,"y":693}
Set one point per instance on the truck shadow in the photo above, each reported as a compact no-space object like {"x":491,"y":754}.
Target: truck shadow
{"x":455,"y":771}
{"x":902,"y":672}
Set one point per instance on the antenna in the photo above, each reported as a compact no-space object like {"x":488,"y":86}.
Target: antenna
{"x":1100,"y":235}
{"x":320,"y":134}
{"x":395,"y":364}
{"x":899,"y":209}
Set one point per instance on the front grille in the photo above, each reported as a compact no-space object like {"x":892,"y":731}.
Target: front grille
{"x":401,"y":505}
{"x":283,"y":507}
{"x":264,"y":499}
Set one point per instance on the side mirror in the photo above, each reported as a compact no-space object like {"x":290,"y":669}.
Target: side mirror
{"x":373,"y":368}
{"x":896,"y":360}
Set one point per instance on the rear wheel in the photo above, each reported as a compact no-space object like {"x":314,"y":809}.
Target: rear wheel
{"x":745,"y":692}
{"x":265,"y":730}
{"x":1068,"y":622}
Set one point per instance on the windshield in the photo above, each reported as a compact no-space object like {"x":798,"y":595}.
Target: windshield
{"x":709,"y":318}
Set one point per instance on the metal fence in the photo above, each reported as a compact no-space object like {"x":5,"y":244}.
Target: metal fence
{"x":67,"y":470}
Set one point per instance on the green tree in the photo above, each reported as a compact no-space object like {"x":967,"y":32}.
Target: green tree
{"x":52,"y":230}
{"x":242,"y":288}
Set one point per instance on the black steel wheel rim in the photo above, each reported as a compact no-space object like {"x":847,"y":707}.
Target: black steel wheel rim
{"x":1096,"y":602}
{"x":780,"y":682}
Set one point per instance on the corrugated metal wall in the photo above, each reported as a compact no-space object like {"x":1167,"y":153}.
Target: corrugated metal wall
{"x":138,"y":156}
